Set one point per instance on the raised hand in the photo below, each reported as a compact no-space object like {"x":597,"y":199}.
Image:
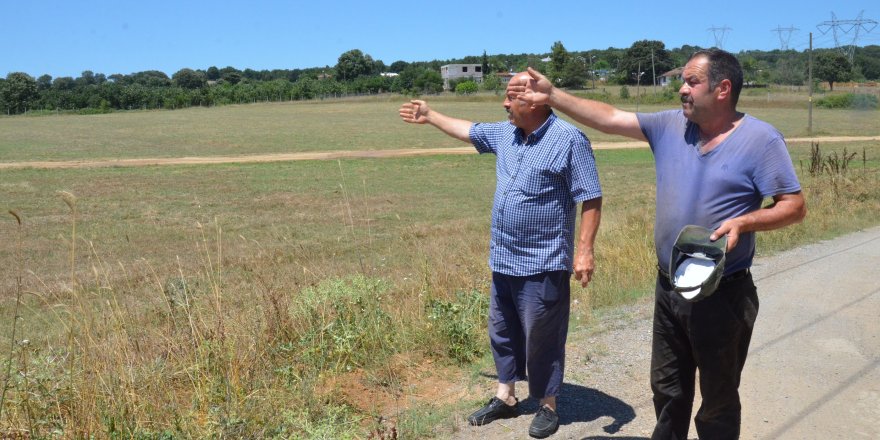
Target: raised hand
{"x":415,"y":112}
{"x":535,"y":91}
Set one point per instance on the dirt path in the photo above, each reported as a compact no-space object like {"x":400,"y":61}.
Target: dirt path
{"x":813,"y":370}
{"x":284,"y":157}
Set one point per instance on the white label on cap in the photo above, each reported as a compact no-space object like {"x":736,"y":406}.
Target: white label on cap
{"x":692,"y":272}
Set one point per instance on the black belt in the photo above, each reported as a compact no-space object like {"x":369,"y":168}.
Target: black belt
{"x":725,"y":279}
{"x":736,"y":275}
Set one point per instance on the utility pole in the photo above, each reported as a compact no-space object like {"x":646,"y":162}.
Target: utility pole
{"x":653,"y":74}
{"x":638,"y":85}
{"x":810,"y":85}
{"x":592,"y":72}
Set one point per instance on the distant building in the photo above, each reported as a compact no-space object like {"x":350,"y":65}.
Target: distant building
{"x":504,"y":77}
{"x":667,"y":77}
{"x":449,"y":72}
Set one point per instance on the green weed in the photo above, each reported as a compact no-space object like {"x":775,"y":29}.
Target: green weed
{"x":343,"y":324}
{"x":459,"y":324}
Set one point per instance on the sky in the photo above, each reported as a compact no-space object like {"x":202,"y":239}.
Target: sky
{"x":65,"y":38}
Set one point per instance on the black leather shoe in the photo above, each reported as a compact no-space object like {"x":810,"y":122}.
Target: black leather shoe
{"x":494,"y":410}
{"x":546,"y":422}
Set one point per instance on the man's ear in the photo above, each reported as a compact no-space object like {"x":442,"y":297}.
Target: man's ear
{"x":725,"y":88}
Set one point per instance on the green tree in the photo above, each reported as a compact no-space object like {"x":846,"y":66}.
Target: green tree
{"x":559,"y":58}
{"x":87,"y":78}
{"x":491,"y":82}
{"x":750,"y":70}
{"x":574,"y":74}
{"x":789,"y":70}
{"x":189,"y":79}
{"x":398,"y":66}
{"x":353,"y":64}
{"x":833,"y":67}
{"x":429,"y":81}
{"x":44,"y":82}
{"x":19,"y":92}
{"x":416,"y":79}
{"x":213,"y":73}
{"x":635,"y":66}
{"x":233,"y":77}
{"x":150,"y":78}
{"x":868,"y":60}
{"x":63,"y":83}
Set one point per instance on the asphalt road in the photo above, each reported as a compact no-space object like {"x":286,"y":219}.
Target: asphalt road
{"x":813,"y":371}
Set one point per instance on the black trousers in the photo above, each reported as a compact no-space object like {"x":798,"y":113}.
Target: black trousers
{"x":711,"y":335}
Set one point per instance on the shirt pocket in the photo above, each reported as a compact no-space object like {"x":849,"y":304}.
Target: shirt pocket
{"x":537,"y":181}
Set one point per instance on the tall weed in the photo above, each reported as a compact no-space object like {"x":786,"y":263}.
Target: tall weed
{"x":457,"y":326}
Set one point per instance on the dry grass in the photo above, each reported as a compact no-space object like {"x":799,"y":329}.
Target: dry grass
{"x":241,"y":300}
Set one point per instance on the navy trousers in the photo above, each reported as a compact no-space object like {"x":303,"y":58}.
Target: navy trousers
{"x":528,"y":326}
{"x":711,"y":335}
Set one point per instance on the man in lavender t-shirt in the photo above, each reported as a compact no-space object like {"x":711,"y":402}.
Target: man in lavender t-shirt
{"x":715,"y":166}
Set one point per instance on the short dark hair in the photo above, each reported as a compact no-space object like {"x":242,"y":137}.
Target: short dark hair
{"x":723,"y":65}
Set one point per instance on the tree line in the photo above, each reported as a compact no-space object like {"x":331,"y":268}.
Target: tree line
{"x":357,"y":73}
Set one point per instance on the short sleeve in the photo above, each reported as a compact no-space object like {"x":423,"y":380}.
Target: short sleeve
{"x":775,"y":173}
{"x":582,"y":169}
{"x":486,"y":135}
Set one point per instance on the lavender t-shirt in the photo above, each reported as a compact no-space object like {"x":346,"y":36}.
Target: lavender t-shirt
{"x":752,"y":163}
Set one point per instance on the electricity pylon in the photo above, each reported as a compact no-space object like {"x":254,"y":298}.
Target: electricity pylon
{"x":783,"y":41}
{"x":842,"y":27}
{"x":719,"y":33}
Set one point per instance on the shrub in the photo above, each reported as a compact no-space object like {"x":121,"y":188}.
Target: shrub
{"x":342,"y":324}
{"x":849,"y":100}
{"x":459,"y":324}
{"x":836,"y":101}
{"x":865,"y":102}
{"x":466,"y":88}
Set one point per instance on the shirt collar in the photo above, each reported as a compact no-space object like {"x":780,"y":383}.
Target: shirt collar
{"x":536,"y":135}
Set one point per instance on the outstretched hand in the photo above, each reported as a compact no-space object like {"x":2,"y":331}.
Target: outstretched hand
{"x":535,"y":91}
{"x":415,"y":112}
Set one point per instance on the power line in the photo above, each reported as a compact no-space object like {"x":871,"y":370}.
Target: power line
{"x":845,"y":27}
{"x":783,"y":41}
{"x":719,"y":33}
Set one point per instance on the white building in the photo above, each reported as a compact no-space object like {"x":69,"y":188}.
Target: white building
{"x":666,"y":78}
{"x":473,"y":72}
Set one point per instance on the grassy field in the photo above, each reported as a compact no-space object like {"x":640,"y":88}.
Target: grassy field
{"x":244,"y":300}
{"x":357,"y":124}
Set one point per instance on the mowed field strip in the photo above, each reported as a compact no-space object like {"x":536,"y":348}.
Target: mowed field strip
{"x":329,"y":155}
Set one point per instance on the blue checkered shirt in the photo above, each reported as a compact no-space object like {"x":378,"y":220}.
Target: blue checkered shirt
{"x":540,"y":181}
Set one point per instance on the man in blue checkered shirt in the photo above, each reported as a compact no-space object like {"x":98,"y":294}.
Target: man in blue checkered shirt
{"x":544,"y":168}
